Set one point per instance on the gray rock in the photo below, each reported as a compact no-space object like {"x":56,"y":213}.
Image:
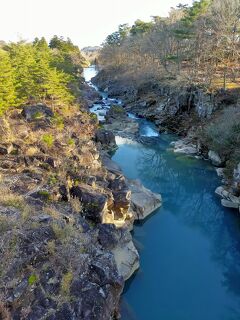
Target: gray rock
{"x":234,"y":199}
{"x":94,"y":204}
{"x":108,"y":236}
{"x":220,"y":172}
{"x":184,"y":146}
{"x":44,"y":218}
{"x":143,"y":201}
{"x":110,"y":165}
{"x":106,"y":138}
{"x":220,"y":190}
{"x":229,"y":204}
{"x":215,"y":158}
{"x":18,"y":291}
{"x":126,"y":256}
{"x":38,"y":111}
{"x":119,"y":123}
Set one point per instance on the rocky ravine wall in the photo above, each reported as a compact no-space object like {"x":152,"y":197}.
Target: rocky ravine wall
{"x":66,"y":212}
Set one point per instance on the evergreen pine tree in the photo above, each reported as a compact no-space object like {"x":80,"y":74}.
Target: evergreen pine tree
{"x":7,"y":89}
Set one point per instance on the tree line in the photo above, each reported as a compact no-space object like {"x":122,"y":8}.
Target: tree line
{"x":38,"y":71}
{"x":198,"y":44}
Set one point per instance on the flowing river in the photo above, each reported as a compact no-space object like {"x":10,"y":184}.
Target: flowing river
{"x":190,"y":247}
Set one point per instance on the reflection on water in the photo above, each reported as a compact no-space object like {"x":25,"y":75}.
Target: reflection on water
{"x":190,"y":248}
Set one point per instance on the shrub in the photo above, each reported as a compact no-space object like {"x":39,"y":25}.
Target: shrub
{"x":76,"y":205}
{"x":58,"y":121}
{"x":66,"y":282}
{"x":48,"y":139}
{"x":32,"y":279}
{"x":38,"y":115}
{"x":71,"y":142}
{"x":223,"y":135}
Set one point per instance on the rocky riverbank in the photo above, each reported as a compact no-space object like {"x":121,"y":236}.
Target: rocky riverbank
{"x":189,"y":112}
{"x":66,"y":212}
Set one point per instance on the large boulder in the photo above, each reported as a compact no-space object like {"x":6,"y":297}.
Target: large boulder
{"x":185,"y":146}
{"x":119,"y":241}
{"x":215,"y":158}
{"x":119,"y":123}
{"x":229,"y":204}
{"x":229,"y":200}
{"x":106,"y":138}
{"x":143,"y":201}
{"x":126,"y":256}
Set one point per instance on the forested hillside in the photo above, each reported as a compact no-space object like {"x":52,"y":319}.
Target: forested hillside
{"x":196,"y":45}
{"x":34,"y":72}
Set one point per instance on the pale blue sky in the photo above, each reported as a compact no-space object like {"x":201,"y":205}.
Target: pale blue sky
{"x":85,"y":22}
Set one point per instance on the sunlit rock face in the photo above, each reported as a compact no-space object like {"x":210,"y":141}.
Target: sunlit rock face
{"x":143,"y":201}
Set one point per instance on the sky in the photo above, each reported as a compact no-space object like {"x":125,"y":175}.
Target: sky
{"x":85,"y":22}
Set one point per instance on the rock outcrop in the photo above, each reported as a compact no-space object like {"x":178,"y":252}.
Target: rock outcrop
{"x":36,"y":112}
{"x":143,"y":201}
{"x":229,"y":200}
{"x":215,"y":158}
{"x":106,"y":138}
{"x":185,"y":146}
{"x":119,"y":241}
{"x":119,"y":123}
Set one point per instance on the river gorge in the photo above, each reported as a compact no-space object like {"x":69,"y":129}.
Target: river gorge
{"x":190,"y":247}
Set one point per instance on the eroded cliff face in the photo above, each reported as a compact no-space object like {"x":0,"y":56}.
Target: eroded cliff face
{"x":65,"y":214}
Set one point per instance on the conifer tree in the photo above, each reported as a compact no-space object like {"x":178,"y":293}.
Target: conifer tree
{"x":7,"y":89}
{"x":24,"y":66}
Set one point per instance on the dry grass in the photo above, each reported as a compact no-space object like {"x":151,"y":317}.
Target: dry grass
{"x":52,"y":211}
{"x":6,"y":224}
{"x":51,"y":245}
{"x":31,"y":151}
{"x":11,"y":199}
{"x":76,"y":205}
{"x":219,"y":83}
{"x":6,"y":134}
